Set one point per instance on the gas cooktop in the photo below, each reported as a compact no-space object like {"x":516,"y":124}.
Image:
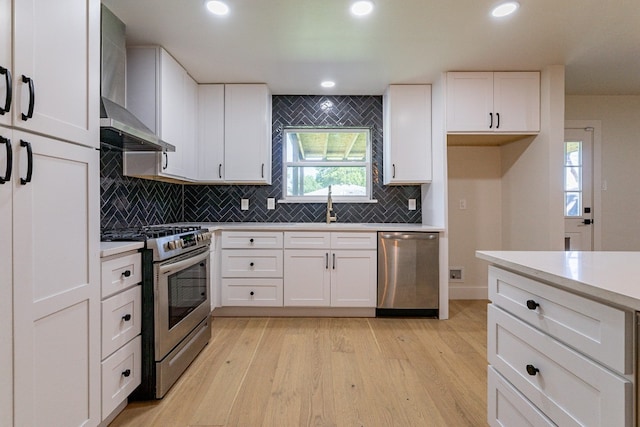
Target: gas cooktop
{"x":143,"y":233}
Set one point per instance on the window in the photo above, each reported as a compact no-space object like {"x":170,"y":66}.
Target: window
{"x":573,"y":178}
{"x":316,"y":158}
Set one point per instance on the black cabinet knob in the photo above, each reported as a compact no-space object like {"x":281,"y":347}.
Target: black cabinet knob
{"x":126,"y":273}
{"x":251,"y":293}
{"x":251,"y":240}
{"x":532,"y":370}
{"x":126,"y":373}
{"x":251,"y":264}
{"x":532,"y":305}
{"x":126,"y":317}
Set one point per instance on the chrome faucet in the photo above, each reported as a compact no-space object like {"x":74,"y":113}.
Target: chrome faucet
{"x":330,"y":218}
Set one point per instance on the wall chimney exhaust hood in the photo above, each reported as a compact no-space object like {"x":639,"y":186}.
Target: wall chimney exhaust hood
{"x":119,"y":128}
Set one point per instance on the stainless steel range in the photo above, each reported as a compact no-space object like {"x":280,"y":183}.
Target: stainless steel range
{"x":175,"y":302}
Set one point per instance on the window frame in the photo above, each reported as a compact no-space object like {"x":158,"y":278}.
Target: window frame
{"x":367,"y":163}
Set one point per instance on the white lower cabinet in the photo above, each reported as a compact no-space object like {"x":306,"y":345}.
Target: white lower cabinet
{"x":326,"y":275}
{"x":251,"y":275}
{"x":121,"y":327}
{"x":556,"y":358}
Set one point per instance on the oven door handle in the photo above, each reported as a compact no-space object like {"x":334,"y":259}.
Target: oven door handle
{"x":181,"y":265}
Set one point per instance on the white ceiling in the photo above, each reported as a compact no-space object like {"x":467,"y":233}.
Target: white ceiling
{"x":294,"y":44}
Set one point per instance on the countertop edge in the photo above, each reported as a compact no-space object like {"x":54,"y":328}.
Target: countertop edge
{"x":562,"y":281}
{"x":115,"y":248}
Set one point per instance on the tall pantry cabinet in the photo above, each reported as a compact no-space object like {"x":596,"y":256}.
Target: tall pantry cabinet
{"x":49,"y":213}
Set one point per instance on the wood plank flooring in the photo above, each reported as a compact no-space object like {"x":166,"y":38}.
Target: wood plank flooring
{"x":331,"y":372}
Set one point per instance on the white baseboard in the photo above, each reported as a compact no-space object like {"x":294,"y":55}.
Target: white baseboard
{"x":459,"y":291}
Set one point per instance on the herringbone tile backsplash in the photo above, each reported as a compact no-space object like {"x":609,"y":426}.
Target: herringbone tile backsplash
{"x":131,"y":201}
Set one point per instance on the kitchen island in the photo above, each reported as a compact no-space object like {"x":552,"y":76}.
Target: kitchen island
{"x":562,"y":338}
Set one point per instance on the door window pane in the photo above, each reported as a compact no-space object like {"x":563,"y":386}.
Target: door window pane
{"x":573,"y":185}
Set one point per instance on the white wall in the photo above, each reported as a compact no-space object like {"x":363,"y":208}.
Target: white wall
{"x":474,"y":176}
{"x":620,"y":164}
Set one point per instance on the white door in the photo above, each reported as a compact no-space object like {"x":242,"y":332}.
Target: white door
{"x":6,"y":280}
{"x":56,"y":284}
{"x":307,"y":281}
{"x":353,"y":278}
{"x":57,"y":49}
{"x":578,"y":189}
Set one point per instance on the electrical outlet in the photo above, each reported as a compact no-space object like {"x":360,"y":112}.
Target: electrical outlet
{"x":456,"y":274}
{"x":244,"y":204}
{"x":271,"y":203}
{"x":412,"y":204}
{"x":463,"y":204}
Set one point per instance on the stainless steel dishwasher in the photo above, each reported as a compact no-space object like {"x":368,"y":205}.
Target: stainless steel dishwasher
{"x":408,"y":274}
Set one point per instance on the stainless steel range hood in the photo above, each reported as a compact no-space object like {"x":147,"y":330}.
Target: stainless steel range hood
{"x":119,"y":128}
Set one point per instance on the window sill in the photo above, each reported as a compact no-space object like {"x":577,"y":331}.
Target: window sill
{"x":324,"y":202}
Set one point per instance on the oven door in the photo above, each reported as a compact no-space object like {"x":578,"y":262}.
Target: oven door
{"x":181,"y":298}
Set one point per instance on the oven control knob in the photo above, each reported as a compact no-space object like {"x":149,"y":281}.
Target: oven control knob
{"x":171,"y":245}
{"x":179,"y":243}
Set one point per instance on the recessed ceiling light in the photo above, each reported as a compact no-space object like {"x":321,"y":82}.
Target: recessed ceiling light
{"x":362,"y":7}
{"x":217,"y":7}
{"x":327,"y":84}
{"x":505,"y":9}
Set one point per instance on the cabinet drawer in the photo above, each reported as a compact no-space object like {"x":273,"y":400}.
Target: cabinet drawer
{"x":120,"y":273}
{"x":354,"y":240}
{"x":121,"y":319}
{"x":120,"y":375}
{"x":572,"y":389}
{"x":601,"y":332}
{"x":251,"y":263}
{"x":508,"y":407}
{"x":252,"y":292}
{"x":251,"y":239}
{"x":307,"y":240}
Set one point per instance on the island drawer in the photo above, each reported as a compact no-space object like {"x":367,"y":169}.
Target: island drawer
{"x":252,"y":292}
{"x":508,"y":407}
{"x":251,"y":263}
{"x":572,"y":389}
{"x":252,"y":240}
{"x":601,"y":332}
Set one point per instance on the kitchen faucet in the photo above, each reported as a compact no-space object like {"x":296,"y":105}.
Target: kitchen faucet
{"x":330,"y":218}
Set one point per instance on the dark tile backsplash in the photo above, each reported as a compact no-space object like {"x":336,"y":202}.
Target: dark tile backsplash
{"x":131,"y":201}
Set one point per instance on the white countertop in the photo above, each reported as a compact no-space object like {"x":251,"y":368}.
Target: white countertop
{"x":320,"y":226}
{"x":607,"y":276}
{"x":114,"y":248}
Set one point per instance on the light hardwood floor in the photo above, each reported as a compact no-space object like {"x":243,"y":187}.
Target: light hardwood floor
{"x":332,"y":372}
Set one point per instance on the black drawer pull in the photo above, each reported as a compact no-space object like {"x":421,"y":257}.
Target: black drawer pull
{"x":250,"y":240}
{"x":25,"y":181}
{"x":532,"y":305}
{"x":251,"y":293}
{"x":126,"y":273}
{"x":32,"y":97}
{"x":532,"y":370}
{"x":251,"y":264}
{"x":126,"y":317}
{"x":7,"y":173}
{"x":126,"y":373}
{"x":8,"y":96}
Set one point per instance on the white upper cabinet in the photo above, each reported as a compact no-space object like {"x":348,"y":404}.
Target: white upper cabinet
{"x":247,"y":126}
{"x":56,"y":59}
{"x":486,"y":102}
{"x":6,"y":69}
{"x":210,"y":147}
{"x":407,"y":134}
{"x":164,"y":97}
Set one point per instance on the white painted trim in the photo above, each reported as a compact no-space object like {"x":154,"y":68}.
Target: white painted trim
{"x":597,"y":174}
{"x":457,"y":291}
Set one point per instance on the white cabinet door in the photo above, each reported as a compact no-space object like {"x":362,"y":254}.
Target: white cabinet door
{"x":353,"y":278}
{"x":247,"y":122}
{"x":6,"y":68}
{"x":516,"y":101}
{"x":56,"y":276}
{"x":211,"y":133}
{"x":56,"y":53}
{"x":307,"y":278}
{"x":6,"y":279}
{"x":171,"y":103}
{"x":407,"y":135}
{"x":469,"y":101}
{"x":484,"y":102}
{"x":190,"y":128}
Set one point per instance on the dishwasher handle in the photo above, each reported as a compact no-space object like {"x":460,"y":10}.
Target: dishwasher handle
{"x":409,"y":236}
